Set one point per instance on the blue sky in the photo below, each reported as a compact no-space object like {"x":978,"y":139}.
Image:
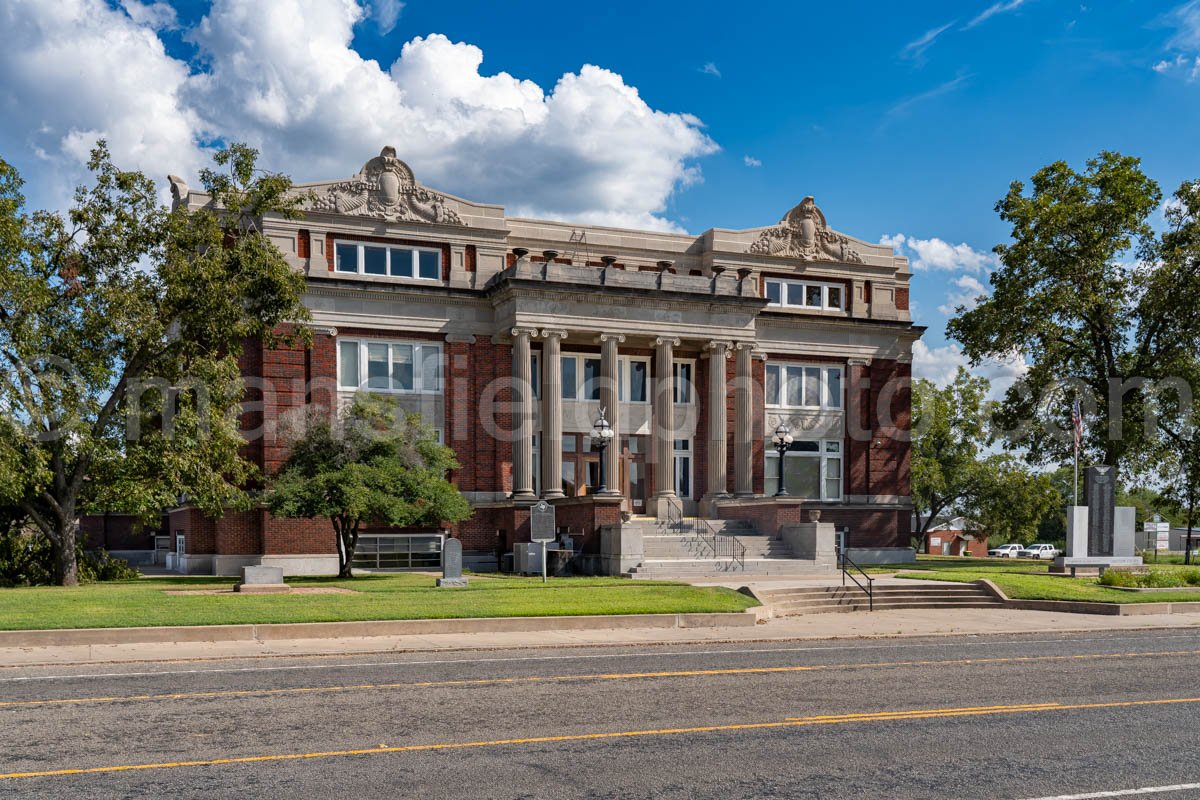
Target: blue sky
{"x":903,"y":122}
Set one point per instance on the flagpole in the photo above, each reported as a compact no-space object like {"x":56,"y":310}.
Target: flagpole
{"x":1076,"y":483}
{"x":1077,"y":430}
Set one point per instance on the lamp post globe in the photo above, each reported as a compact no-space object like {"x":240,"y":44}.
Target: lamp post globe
{"x":783,"y":441}
{"x":601,"y":435}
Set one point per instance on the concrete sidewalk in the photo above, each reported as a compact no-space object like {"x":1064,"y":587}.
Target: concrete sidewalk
{"x":879,"y":624}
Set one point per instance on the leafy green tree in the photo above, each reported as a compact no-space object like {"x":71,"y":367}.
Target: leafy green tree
{"x":370,"y":464}
{"x":953,"y":472}
{"x":1089,"y":323}
{"x":119,"y":329}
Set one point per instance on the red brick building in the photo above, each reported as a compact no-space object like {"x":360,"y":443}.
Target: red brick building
{"x":510,"y":335}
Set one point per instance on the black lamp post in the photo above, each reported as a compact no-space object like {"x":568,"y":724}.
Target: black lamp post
{"x":602,"y":434}
{"x":783,"y":441}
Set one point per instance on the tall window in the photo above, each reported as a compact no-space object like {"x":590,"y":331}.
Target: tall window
{"x":580,"y":378}
{"x":683,"y":467}
{"x":803,"y":386}
{"x":633,"y":380}
{"x":423,"y":263}
{"x":683,"y":389}
{"x":390,"y":366}
{"x":812,"y":470}
{"x":805,"y":294}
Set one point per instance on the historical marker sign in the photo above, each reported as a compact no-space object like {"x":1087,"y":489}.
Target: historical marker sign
{"x":541,"y":522}
{"x":452,"y":564}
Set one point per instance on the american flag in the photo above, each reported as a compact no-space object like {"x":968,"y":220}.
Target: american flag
{"x":1077,"y":423}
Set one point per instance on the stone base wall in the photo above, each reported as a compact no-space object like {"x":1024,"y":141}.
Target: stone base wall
{"x":768,"y":515}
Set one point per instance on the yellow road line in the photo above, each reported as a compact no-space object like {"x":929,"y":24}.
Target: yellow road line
{"x":792,"y":722}
{"x":606,"y":676}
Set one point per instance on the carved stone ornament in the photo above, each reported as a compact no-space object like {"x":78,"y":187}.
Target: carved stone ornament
{"x":386,"y":189}
{"x":805,"y":235}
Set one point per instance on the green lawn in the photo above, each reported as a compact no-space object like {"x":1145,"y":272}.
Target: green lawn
{"x":376,"y":597}
{"x":1029,"y":580}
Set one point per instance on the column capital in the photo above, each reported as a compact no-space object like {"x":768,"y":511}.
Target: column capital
{"x":661,"y":340}
{"x":460,"y":338}
{"x":858,"y":362}
{"x":519,"y":331}
{"x":619,"y":338}
{"x":554,"y":332}
{"x":719,"y":349}
{"x":323,"y":330}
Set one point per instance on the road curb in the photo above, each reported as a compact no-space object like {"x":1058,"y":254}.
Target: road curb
{"x":1090,"y":607}
{"x":365,"y":629}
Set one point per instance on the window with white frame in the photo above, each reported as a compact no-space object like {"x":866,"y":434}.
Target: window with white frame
{"x":422,"y":263}
{"x":633,"y":380}
{"x":682,"y":452}
{"x":390,"y":366}
{"x":581,"y":378}
{"x":806,"y":294}
{"x":685,"y":388}
{"x":802,"y":386}
{"x":812,"y":470}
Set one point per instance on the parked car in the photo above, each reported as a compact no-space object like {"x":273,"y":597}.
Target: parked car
{"x":1006,"y":551}
{"x":1040,"y":551}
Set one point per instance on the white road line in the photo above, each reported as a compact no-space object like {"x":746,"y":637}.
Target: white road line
{"x":1179,"y":787}
{"x":580,"y":657}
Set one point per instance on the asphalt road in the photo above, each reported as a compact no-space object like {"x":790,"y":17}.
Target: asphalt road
{"x":968,"y":717}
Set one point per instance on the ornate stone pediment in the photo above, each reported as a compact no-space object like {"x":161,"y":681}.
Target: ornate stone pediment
{"x":805,"y":235}
{"x":386,"y":189}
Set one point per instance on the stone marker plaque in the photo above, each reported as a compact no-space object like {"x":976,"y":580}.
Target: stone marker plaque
{"x":452,"y":564}
{"x":541,"y":522}
{"x":1102,"y":502}
{"x":262,"y":580}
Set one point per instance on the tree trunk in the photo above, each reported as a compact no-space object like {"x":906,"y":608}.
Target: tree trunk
{"x":347,"y":540}
{"x":66,"y":565}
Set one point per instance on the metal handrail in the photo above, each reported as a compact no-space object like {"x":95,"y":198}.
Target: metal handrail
{"x":721,"y":546}
{"x":843,"y":560}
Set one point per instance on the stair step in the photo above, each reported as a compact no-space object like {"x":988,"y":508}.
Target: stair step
{"x":836,"y":599}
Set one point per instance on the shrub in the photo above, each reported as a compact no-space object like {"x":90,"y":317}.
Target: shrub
{"x":24,"y":558}
{"x":100,"y":566}
{"x":1163,"y":579}
{"x":1191,"y":576}
{"x":1118,"y":577}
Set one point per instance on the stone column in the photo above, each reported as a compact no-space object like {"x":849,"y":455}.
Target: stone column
{"x":743,"y":447}
{"x":551,"y":444}
{"x":718,"y":461}
{"x":522,"y":471}
{"x":611,"y":403}
{"x":664,"y":423}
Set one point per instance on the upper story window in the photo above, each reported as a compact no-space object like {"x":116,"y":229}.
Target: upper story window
{"x":422,"y":263}
{"x":683,"y":388}
{"x":581,"y":378}
{"x":803,"y":386}
{"x":633,"y":380}
{"x":806,"y":294}
{"x":390,"y":366}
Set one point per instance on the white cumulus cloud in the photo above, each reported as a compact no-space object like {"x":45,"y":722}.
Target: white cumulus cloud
{"x":78,"y":70}
{"x":284,"y":77}
{"x":939,"y":365}
{"x":937,"y":254}
{"x":967,"y":293}
{"x":751,"y":161}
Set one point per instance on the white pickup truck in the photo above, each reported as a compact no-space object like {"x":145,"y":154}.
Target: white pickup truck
{"x":1006,"y":551}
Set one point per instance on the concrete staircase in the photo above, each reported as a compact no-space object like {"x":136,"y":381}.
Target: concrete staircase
{"x":671,"y":554}
{"x":833,"y":599}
